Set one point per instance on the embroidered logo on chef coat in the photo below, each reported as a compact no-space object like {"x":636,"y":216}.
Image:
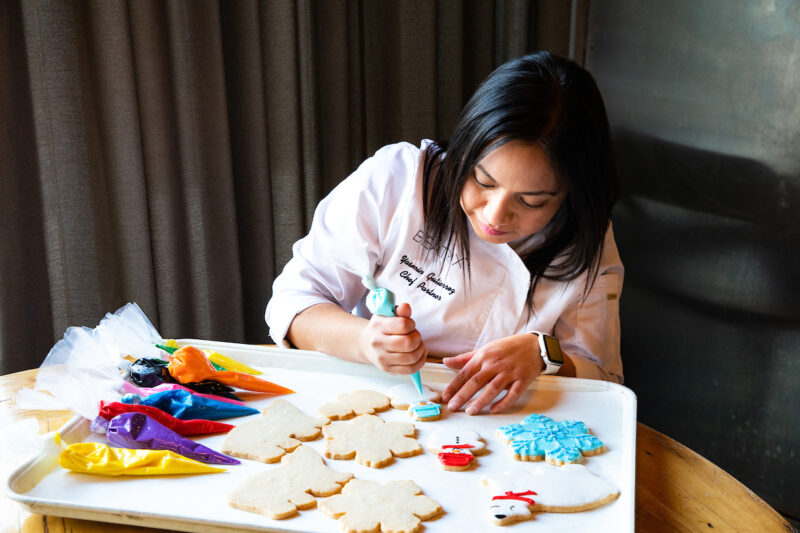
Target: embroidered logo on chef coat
{"x":433,"y":284}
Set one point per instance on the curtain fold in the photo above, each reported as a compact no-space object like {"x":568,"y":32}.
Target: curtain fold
{"x":171,"y":152}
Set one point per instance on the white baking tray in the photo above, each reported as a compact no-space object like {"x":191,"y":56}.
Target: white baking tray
{"x":198,"y":503}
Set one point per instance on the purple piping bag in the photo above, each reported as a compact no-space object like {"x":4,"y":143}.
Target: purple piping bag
{"x":139,"y":431}
{"x":184,"y":405}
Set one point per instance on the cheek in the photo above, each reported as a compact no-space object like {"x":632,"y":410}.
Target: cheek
{"x":469,"y":198}
{"x":537,"y":220}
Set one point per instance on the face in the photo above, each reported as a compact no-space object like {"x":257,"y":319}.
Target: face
{"x":512,"y":192}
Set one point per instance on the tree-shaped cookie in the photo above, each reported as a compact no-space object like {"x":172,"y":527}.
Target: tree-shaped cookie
{"x":397,"y":506}
{"x":279,"y":493}
{"x":278,"y":430}
{"x":370,"y":440}
{"x":350,"y":404}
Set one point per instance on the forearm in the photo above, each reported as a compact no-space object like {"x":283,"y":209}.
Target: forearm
{"x":329,"y":329}
{"x":568,"y":368}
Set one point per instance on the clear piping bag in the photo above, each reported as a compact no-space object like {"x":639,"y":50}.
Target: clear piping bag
{"x":380,"y":301}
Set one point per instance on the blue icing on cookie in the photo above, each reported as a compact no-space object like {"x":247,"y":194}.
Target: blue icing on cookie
{"x":560,"y":442}
{"x":425,"y":409}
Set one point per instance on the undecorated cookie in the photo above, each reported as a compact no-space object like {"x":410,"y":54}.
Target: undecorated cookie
{"x":367,"y":506}
{"x":279,"y":493}
{"x":360,"y":402}
{"x":517,"y":494}
{"x":405,"y":394}
{"x":370,"y":440}
{"x":278,"y":430}
{"x":539,"y":437}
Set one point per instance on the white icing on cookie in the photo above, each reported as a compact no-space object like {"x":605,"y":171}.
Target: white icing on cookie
{"x":456,"y":436}
{"x":405,"y":394}
{"x":510,"y":510}
{"x":558,"y":489}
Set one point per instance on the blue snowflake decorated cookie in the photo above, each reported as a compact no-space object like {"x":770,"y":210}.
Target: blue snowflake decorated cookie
{"x":539,"y":437}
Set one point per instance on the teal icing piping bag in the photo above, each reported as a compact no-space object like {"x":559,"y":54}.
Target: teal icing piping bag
{"x":380,"y":301}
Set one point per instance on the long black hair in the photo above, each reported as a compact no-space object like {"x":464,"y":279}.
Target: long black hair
{"x":551,"y":101}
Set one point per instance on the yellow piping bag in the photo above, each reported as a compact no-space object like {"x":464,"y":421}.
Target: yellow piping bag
{"x":230,"y":364}
{"x":100,"y":459}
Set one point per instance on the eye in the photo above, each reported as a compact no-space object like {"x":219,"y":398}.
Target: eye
{"x":530,"y":205}
{"x":484,"y":184}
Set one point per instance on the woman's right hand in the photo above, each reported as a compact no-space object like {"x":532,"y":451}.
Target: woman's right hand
{"x":392,"y":343}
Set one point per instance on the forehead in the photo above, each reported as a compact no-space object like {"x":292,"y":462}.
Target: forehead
{"x":521,"y":162}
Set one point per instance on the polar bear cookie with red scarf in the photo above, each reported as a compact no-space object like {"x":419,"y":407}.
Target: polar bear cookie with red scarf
{"x":518,"y":494}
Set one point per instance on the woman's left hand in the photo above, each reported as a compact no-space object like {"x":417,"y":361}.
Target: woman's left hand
{"x":507,"y":364}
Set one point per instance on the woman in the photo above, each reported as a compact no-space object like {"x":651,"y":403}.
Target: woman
{"x":491,"y":240}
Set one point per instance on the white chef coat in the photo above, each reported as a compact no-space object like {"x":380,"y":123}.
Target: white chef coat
{"x":372,"y":223}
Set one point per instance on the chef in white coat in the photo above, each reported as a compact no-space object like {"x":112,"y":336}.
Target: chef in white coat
{"x":497,"y":245}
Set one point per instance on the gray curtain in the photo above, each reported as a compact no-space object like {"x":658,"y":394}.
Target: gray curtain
{"x":170,"y":153}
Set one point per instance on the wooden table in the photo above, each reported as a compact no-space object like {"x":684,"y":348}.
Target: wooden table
{"x":676,"y":489}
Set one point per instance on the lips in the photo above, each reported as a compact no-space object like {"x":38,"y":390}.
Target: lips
{"x":490,"y":230}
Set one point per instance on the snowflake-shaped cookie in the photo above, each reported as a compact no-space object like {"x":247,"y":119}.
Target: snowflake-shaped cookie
{"x":538,"y":437}
{"x":360,"y":402}
{"x":279,"y":493}
{"x":278,"y":430}
{"x":397,"y":506}
{"x":370,"y":440}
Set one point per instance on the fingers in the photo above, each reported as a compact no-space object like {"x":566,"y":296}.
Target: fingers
{"x":464,"y":386}
{"x":508,"y":401}
{"x":457,"y":363}
{"x":403,"y":310}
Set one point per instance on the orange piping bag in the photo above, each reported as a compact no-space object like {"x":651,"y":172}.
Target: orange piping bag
{"x":189,"y":365}
{"x":97,"y":458}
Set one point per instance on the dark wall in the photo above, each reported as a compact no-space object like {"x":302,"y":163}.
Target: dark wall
{"x":703,"y":101}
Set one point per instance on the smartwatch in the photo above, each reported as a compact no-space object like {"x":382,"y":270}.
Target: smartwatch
{"x":550,"y":350}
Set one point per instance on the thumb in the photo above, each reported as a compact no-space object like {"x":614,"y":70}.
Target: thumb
{"x":403,"y":310}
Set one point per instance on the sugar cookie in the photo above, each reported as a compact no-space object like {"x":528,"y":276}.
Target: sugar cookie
{"x":370,"y":440}
{"x":425,"y":411}
{"x":567,"y":489}
{"x":279,"y":493}
{"x":538,"y":438}
{"x":456,"y":448}
{"x":278,"y":430}
{"x":405,"y":394}
{"x":397,"y":506}
{"x":360,"y":402}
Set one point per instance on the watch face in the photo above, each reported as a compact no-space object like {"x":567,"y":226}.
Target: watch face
{"x":553,"y":350}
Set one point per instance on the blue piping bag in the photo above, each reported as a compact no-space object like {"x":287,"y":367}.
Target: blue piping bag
{"x":380,"y":301}
{"x":185,"y":406}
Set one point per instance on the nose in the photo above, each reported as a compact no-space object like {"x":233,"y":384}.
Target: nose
{"x":496,"y":211}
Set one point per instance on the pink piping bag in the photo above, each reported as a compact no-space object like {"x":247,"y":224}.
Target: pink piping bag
{"x":147,"y":391}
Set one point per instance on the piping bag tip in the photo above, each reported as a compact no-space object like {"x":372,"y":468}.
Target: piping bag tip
{"x":415,"y":377}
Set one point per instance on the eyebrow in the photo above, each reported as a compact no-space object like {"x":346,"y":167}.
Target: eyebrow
{"x":527,"y":193}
